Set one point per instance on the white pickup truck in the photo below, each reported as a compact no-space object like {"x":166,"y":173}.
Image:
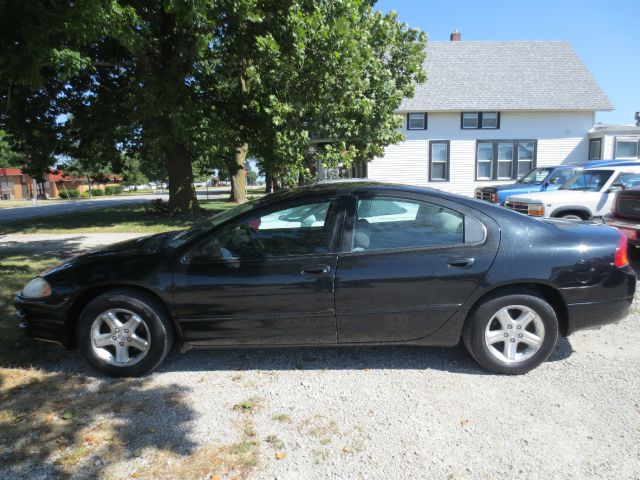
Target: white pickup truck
{"x":585,"y":196}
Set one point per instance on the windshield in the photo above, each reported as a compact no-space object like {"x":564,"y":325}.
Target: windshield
{"x":180,"y":238}
{"x":537,"y":175}
{"x":588,"y":181}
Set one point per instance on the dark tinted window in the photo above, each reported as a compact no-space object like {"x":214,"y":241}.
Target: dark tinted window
{"x":299,"y":230}
{"x":387,"y":223}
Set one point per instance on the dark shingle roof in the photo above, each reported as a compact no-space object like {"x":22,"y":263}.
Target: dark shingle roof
{"x":505,"y":76}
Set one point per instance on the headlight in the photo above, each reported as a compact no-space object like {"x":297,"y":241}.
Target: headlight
{"x":37,"y":288}
{"x":536,"y":209}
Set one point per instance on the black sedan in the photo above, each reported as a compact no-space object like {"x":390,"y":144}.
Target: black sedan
{"x":353,"y":263}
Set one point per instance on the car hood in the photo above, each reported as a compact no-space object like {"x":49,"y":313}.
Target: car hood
{"x":135,"y":247}
{"x":546,"y":197}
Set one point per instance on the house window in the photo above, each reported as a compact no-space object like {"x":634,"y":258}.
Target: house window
{"x":470,"y":119}
{"x":595,"y":148}
{"x":475,"y":120}
{"x":627,"y":148}
{"x":526,"y":152}
{"x":439,"y":161}
{"x":416,"y":121}
{"x":504,"y":159}
{"x":485,"y":160}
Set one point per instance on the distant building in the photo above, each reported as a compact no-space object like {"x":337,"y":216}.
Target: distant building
{"x":14,"y":185}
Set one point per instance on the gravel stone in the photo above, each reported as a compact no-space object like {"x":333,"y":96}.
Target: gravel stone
{"x":410,"y":412}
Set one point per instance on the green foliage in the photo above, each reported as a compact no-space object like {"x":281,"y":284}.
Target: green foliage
{"x":97,"y":192}
{"x":8,"y":156}
{"x":161,"y":89}
{"x":69,"y":193}
{"x":113,"y":190}
{"x":85,"y":195}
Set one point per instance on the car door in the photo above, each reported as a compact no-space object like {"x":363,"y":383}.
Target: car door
{"x":407,"y":264}
{"x":620,"y":181}
{"x":267,"y":278}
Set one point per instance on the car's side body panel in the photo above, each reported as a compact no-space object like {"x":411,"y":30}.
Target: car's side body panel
{"x":397,"y":295}
{"x":254,"y":302}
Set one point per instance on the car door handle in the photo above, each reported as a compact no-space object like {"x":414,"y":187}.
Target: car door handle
{"x":461,"y":262}
{"x":315,"y":269}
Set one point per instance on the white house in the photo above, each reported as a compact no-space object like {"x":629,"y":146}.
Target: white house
{"x":489,"y":112}
{"x":615,"y":141}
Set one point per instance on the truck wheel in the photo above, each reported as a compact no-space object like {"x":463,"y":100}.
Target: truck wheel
{"x":571,"y":216}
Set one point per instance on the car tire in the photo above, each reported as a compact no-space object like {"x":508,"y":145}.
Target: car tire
{"x":572,"y":216}
{"x":124,"y":333}
{"x":501,"y":332}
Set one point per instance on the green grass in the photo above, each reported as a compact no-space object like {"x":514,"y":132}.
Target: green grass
{"x":15,"y":349}
{"x":124,"y":218}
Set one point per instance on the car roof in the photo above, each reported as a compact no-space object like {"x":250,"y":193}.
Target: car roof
{"x":348,"y":186}
{"x":619,"y":168}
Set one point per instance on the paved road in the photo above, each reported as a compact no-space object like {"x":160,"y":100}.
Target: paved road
{"x":20,"y":213}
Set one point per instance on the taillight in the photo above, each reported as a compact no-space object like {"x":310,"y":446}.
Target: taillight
{"x":494,"y":198}
{"x":621,"y":259}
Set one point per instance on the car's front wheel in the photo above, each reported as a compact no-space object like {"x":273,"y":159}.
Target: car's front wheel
{"x":124,"y":333}
{"x":511,"y":333}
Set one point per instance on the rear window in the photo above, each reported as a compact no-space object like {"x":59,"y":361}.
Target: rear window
{"x":388,"y":223}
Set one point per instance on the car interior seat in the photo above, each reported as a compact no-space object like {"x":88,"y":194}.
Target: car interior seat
{"x":362,"y":236}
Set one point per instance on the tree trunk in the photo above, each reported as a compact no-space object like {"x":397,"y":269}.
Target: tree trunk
{"x":268,"y":183}
{"x":182,"y":196}
{"x":239,"y":178}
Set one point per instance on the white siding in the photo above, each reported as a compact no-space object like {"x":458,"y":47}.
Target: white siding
{"x":562,"y":138}
{"x":607,"y":151}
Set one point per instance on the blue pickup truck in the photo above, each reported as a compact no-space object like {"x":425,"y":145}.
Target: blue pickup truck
{"x":540,"y":179}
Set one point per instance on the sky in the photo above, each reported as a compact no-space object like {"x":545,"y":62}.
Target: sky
{"x":605,"y":35}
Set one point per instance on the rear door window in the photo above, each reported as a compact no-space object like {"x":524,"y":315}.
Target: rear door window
{"x":389,"y":223}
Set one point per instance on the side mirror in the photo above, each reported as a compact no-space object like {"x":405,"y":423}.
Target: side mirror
{"x":616,"y":187}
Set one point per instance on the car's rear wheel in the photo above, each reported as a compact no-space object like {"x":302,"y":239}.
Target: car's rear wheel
{"x":124,"y":333}
{"x":511,"y":333}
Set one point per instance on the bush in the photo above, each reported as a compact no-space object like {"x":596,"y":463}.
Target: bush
{"x":97,"y":192}
{"x":84,"y":194}
{"x":69,"y":194}
{"x":113,"y":190}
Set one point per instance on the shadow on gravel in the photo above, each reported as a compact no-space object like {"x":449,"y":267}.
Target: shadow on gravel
{"x":454,"y":360}
{"x":55,"y":425}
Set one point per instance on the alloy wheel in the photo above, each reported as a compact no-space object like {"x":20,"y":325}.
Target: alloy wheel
{"x":120,"y":337}
{"x":514,"y":333}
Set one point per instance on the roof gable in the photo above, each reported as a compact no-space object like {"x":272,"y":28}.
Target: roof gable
{"x":472,"y":76}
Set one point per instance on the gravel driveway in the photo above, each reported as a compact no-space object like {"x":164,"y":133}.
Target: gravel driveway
{"x":391,"y":412}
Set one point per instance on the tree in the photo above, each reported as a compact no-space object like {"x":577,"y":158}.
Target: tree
{"x":204,"y":83}
{"x":132,"y":172}
{"x":8,"y":156}
{"x":311,"y":69}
